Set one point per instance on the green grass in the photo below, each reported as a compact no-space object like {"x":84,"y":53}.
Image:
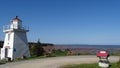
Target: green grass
{"x":95,"y":65}
{"x":60,"y":53}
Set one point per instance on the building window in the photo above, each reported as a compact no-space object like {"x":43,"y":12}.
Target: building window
{"x":8,"y":37}
{"x":14,"y":50}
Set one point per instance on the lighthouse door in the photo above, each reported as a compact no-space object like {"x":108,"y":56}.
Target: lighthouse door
{"x":6,"y":52}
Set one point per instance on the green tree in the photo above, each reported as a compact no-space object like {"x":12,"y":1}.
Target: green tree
{"x":37,"y":49}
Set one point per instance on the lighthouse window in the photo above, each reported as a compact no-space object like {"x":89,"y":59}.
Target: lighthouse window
{"x":14,"y":50}
{"x":8,"y":37}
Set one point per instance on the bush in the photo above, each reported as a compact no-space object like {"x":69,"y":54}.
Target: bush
{"x":37,"y":49}
{"x":118,"y":64}
{"x":2,"y":61}
{"x":59,"y":53}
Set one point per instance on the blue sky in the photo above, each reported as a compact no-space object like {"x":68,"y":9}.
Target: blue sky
{"x":65,"y":21}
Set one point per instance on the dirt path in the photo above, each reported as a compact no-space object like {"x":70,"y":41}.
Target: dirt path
{"x":55,"y":62}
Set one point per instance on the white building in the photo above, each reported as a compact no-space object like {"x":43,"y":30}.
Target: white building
{"x":15,"y":43}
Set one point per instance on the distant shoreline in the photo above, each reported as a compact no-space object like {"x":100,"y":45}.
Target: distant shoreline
{"x":88,"y":46}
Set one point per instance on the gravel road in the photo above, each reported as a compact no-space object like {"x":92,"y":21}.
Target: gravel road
{"x":55,"y":62}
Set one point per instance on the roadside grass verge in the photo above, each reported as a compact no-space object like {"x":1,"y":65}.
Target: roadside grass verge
{"x":94,"y":65}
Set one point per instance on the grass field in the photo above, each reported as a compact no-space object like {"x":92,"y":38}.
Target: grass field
{"x":95,"y":65}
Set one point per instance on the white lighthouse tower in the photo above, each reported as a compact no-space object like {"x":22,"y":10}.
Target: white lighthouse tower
{"x":15,"y":43}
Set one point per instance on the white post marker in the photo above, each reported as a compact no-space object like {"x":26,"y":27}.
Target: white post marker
{"x":103,"y":59}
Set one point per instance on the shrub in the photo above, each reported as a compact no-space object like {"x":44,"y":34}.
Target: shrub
{"x":2,"y":61}
{"x":118,"y":63}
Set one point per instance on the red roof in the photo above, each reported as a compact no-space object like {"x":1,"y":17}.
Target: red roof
{"x":16,"y":19}
{"x":102,"y":54}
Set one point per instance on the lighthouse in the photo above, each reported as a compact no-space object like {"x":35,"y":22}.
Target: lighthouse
{"x":15,"y":43}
